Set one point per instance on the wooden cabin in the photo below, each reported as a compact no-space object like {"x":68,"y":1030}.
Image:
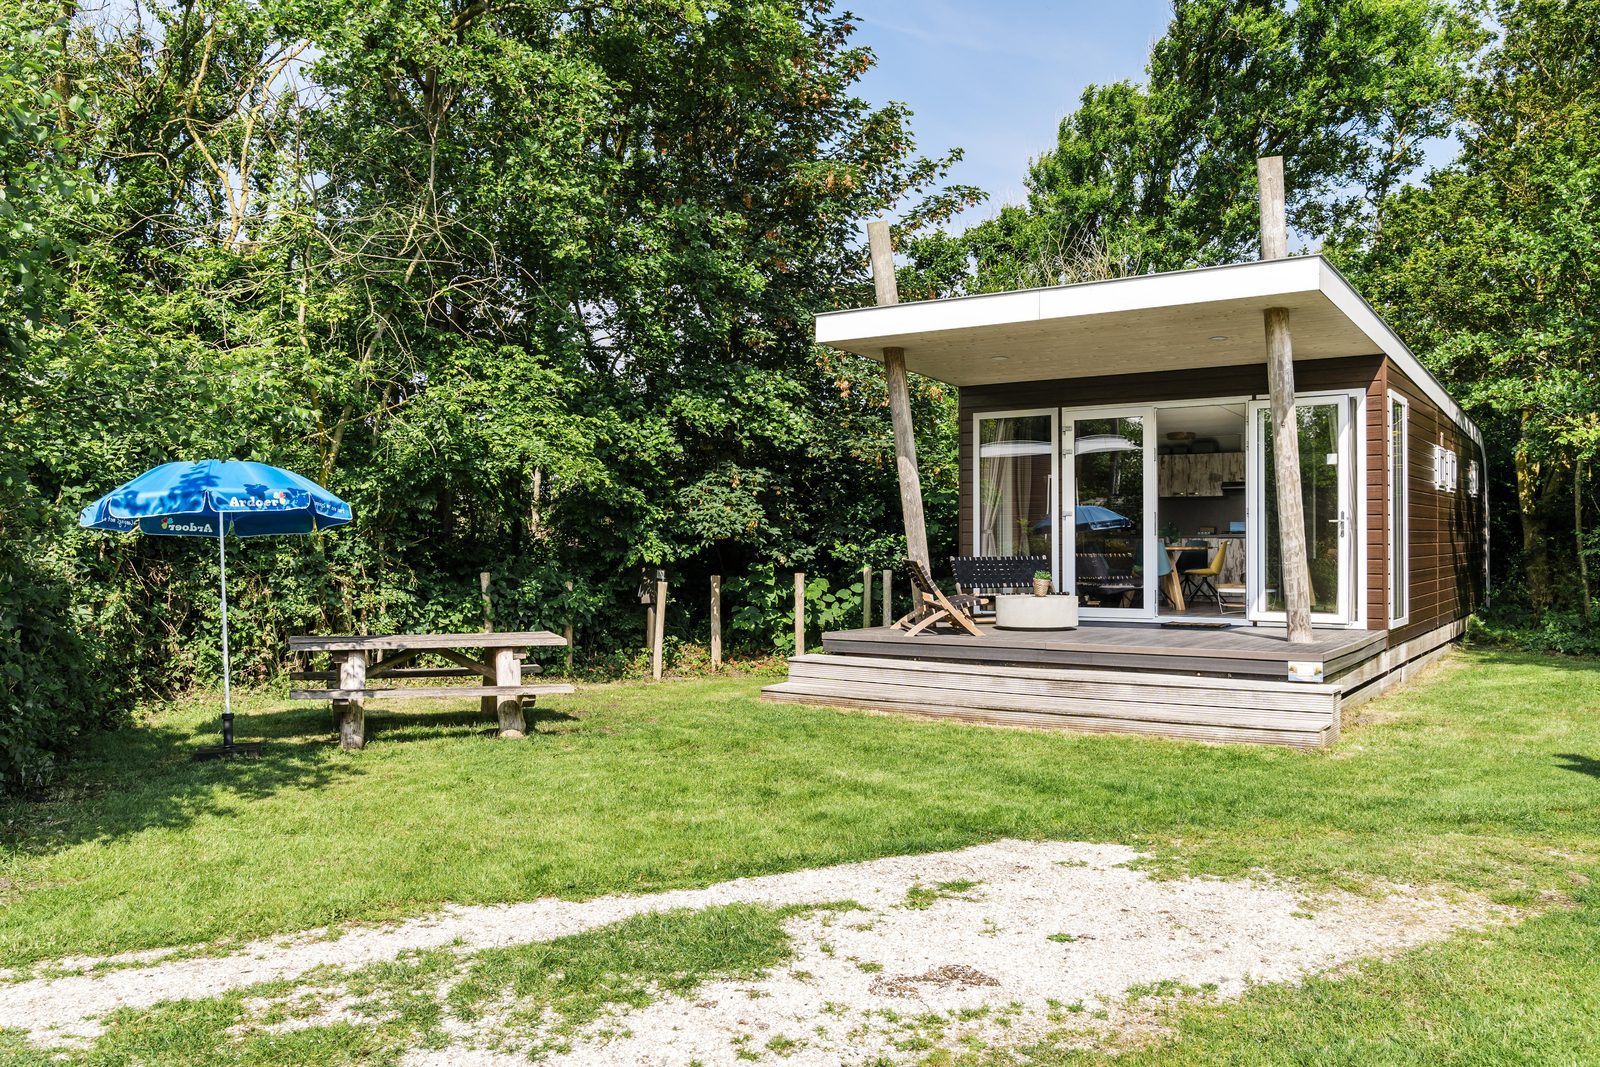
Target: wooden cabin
{"x":1121,"y":429}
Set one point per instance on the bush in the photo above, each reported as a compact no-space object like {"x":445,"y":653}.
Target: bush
{"x":53,"y":682}
{"x":1562,"y":632}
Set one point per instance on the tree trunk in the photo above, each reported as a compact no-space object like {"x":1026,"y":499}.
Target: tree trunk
{"x":1535,"y":548}
{"x":1584,"y":603}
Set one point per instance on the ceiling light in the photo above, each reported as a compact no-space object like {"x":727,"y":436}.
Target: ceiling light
{"x":999,"y":359}
{"x":1217,"y":337}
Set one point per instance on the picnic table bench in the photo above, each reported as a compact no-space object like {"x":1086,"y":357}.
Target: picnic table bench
{"x":355,"y":668}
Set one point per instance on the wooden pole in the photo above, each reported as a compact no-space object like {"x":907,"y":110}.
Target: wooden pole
{"x":569,"y":634}
{"x":894,"y":370}
{"x":888,"y":597}
{"x":659,"y":637}
{"x":866,"y":597}
{"x":1285,"y":428}
{"x":716,"y":622}
{"x":799,"y":613}
{"x":487,"y":705}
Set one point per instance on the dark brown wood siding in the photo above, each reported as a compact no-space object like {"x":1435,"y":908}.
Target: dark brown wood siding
{"x":1355,"y":372}
{"x":1446,"y":529}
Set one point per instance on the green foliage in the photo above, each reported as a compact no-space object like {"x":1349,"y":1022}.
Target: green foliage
{"x":764,"y":617}
{"x":531,"y":289}
{"x":1491,"y":269}
{"x":1161,"y":175}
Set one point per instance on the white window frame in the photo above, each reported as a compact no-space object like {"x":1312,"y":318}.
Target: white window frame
{"x":1052,"y":498}
{"x":1399,"y":525}
{"x":1352,"y":613}
{"x":1068,"y":482}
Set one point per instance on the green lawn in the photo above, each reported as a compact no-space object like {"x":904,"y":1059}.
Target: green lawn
{"x":1486,"y":776}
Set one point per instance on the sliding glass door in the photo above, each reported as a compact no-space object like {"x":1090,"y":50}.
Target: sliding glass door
{"x":1108,"y":515}
{"x":1015,"y":485}
{"x":1327,"y":481}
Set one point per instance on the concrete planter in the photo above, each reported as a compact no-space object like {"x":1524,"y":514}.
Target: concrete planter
{"x":1036,"y":612}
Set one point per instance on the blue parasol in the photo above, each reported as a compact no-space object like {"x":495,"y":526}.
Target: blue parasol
{"x":215,"y":498}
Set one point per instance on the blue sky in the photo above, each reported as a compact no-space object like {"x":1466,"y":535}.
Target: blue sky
{"x":995,"y":78}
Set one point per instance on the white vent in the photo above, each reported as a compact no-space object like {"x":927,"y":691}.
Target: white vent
{"x":1444,"y":469}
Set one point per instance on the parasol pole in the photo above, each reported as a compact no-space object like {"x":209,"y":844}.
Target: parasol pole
{"x":227,"y":696}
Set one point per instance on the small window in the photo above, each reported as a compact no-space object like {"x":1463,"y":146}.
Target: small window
{"x":1472,"y":478}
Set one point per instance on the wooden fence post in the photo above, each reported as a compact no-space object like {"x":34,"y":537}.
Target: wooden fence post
{"x":569,"y":634}
{"x":659,"y":637}
{"x":888,"y":597}
{"x":488,"y":705}
{"x":716,"y":622}
{"x":866,"y":597}
{"x":799,"y":613}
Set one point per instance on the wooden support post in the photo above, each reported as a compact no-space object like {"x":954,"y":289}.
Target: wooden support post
{"x":508,"y":671}
{"x":659,"y":637}
{"x":716,"y":622}
{"x":569,"y":634}
{"x":351,"y":712}
{"x":866,"y":597}
{"x":487,"y":706}
{"x":1285,"y":427}
{"x":888,"y":597}
{"x":799,"y":613}
{"x":894,"y":369}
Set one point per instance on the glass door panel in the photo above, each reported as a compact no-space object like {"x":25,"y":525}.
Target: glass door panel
{"x":1326,"y":464}
{"x":1107,"y":513}
{"x":1016,"y":476}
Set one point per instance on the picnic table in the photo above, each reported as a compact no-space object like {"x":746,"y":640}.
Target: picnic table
{"x":361,"y":659}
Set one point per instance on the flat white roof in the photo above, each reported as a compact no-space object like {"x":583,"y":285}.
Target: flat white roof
{"x":1210,"y":317}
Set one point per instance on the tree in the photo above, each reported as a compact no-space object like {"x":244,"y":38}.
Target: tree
{"x":1491,"y":267}
{"x":530,"y":283}
{"x":1161,"y":175}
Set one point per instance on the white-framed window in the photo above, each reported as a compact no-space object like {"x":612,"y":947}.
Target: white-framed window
{"x":1399,"y":510}
{"x":1015,"y":473}
{"x":1473,"y":484}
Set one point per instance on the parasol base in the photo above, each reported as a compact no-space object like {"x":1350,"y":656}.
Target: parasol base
{"x":242,"y":750}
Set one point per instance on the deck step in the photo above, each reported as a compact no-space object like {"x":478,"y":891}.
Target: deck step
{"x":1284,"y":713}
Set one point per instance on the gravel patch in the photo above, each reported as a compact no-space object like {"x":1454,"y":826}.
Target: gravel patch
{"x":998,"y":940}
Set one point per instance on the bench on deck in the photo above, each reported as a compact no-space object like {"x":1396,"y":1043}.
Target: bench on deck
{"x":983,"y":576}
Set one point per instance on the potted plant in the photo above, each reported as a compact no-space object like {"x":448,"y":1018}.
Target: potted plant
{"x":1041,"y":583}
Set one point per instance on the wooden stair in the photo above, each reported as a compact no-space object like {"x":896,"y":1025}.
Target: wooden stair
{"x":1303,"y":715}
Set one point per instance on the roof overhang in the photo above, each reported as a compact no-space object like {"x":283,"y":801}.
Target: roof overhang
{"x":1181,"y":320}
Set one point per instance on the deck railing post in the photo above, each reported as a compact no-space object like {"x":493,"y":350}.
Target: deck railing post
{"x":888,"y":597}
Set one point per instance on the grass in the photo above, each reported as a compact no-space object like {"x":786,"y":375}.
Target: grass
{"x":558,"y":986}
{"x":1485,"y":778}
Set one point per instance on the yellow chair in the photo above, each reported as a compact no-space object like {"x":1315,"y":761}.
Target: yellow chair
{"x":1201,"y":581}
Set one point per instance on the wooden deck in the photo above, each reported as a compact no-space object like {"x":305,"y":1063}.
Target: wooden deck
{"x":1236,"y":652}
{"x":1209,"y":685}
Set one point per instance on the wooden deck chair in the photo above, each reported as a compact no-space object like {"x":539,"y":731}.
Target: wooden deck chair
{"x":932,"y":606}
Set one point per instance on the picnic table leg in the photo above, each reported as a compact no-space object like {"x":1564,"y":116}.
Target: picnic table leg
{"x":508,"y":671}
{"x":352,"y":715}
